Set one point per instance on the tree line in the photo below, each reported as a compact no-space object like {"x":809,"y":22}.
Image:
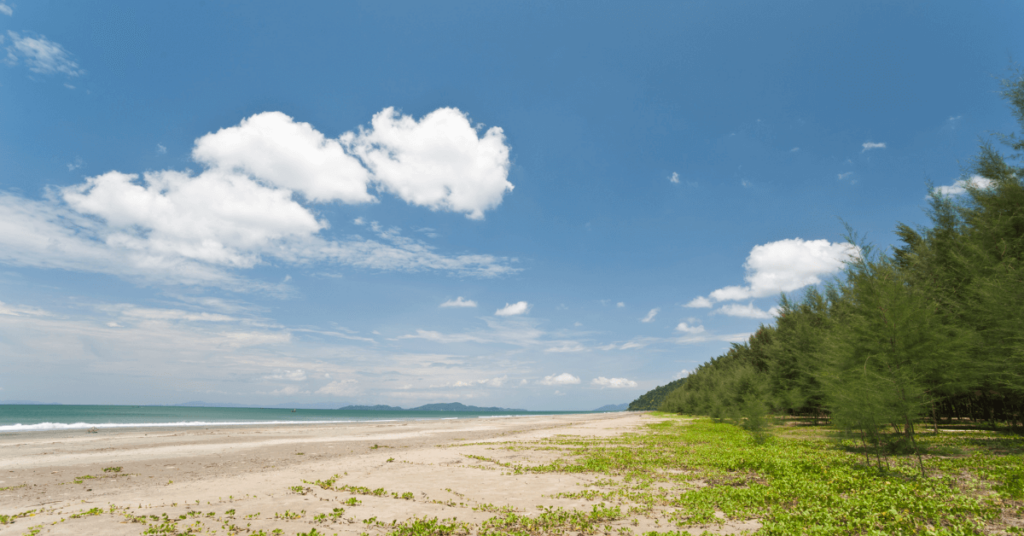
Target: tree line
{"x":928,"y":332}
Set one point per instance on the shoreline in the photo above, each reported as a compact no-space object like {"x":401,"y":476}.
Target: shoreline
{"x":46,"y":427}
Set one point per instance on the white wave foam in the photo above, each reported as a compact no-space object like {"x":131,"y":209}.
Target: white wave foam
{"x":49,"y":426}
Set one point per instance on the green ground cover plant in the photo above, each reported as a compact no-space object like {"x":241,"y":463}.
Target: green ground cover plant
{"x":812,"y":482}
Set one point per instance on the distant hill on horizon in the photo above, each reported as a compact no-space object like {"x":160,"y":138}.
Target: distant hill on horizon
{"x":448,"y":406}
{"x":614,"y":407}
{"x":377,"y":407}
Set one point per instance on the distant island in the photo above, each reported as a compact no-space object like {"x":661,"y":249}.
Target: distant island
{"x":451,"y":406}
{"x":614,"y":407}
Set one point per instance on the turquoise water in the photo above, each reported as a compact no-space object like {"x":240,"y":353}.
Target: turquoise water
{"x":27,"y":418}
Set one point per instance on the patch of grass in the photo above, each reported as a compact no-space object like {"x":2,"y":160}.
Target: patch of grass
{"x":112,"y":469}
{"x":430,"y":527}
{"x":91,"y":512}
{"x":795,"y":485}
{"x":7,"y":519}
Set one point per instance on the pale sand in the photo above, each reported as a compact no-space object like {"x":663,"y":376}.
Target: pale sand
{"x":250,"y":470}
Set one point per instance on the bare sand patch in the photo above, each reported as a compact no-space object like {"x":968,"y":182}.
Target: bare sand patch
{"x":240,"y":480}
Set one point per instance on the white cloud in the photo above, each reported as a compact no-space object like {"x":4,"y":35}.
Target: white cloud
{"x":21,"y":311}
{"x":6,"y":9}
{"x":566,"y":347}
{"x":844,"y":175}
{"x":960,"y":187}
{"x":443,"y":338}
{"x":514,"y":309}
{"x":183,"y":228}
{"x":438,"y":162}
{"x":560,"y":379}
{"x":699,"y":302}
{"x":688,"y":328}
{"x":491,"y":382}
{"x":620,"y":304}
{"x":459,"y":302}
{"x":337,"y":388}
{"x":359,"y":221}
{"x":674,"y":178}
{"x":614,"y":383}
{"x":514,"y":331}
{"x":785,"y":266}
{"x":795,"y":150}
{"x":682,"y":374}
{"x":278,"y":151}
{"x":161,"y":149}
{"x":255,"y":338}
{"x":288,"y":391}
{"x":217,"y":218}
{"x":174,"y":314}
{"x":650,"y":315}
{"x":41,"y":55}
{"x":867,"y":146}
{"x":746,"y":311}
{"x":289,"y":375}
{"x":745,"y":183}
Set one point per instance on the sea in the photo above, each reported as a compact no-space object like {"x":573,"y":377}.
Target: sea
{"x":39,"y":418}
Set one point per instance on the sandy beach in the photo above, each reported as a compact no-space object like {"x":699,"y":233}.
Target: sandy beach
{"x":241,"y":480}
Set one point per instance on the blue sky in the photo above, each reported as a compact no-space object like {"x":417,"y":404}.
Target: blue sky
{"x":258,"y":202}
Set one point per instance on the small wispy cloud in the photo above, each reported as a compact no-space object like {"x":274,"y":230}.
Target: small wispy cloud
{"x":161,"y":149}
{"x":492,"y":382}
{"x":689,"y":328}
{"x":41,"y":55}
{"x":650,"y":315}
{"x":614,"y":383}
{"x":337,"y":388}
{"x":560,"y":379}
{"x":746,"y":311}
{"x":458,"y":302}
{"x":700,"y":302}
{"x":795,"y":150}
{"x":674,"y":178}
{"x":289,"y":375}
{"x":513,"y":309}
{"x":620,"y":304}
{"x":960,"y":187}
{"x":867,"y":146}
{"x":845,"y":175}
{"x":6,"y":9}
{"x":566,"y":347}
